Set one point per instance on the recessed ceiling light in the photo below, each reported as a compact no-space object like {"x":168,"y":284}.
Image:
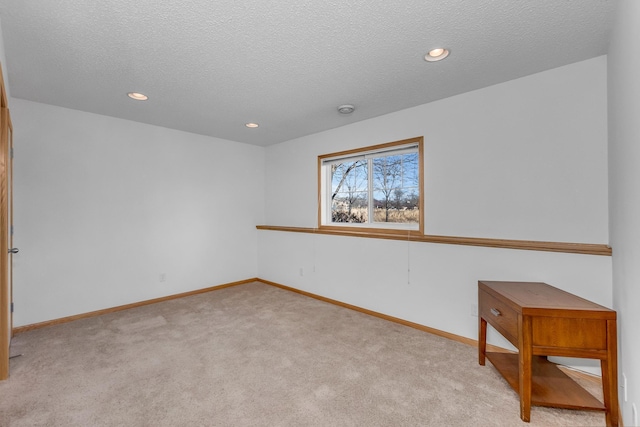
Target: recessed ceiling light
{"x":346,"y":109}
{"x":251,"y":125}
{"x":436,"y":54}
{"x":137,"y":96}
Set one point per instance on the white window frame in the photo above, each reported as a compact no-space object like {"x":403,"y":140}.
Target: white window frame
{"x":382,"y":150}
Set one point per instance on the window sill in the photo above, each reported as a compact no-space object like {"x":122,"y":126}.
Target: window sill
{"x":415,"y":236}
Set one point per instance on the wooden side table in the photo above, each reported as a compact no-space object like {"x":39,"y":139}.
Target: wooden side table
{"x":541,"y":321}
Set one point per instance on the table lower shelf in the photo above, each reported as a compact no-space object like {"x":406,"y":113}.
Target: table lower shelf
{"x":549,"y":385}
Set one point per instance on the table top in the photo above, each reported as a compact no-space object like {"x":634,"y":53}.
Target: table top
{"x":538,"y":297}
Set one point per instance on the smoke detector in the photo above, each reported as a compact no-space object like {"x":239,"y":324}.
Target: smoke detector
{"x":346,"y":109}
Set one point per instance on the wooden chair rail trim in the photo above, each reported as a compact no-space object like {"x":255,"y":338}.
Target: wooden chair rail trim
{"x":531,"y":245}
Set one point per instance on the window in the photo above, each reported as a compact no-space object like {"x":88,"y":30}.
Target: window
{"x":378,"y":188}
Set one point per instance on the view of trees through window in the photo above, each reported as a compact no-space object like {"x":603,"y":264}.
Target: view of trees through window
{"x":384,"y":188}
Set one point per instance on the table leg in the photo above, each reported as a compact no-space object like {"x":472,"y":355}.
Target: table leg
{"x":609,"y":368}
{"x":525,"y":368}
{"x":482,"y":340}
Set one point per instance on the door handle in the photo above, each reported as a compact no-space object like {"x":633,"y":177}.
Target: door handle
{"x":14,"y":250}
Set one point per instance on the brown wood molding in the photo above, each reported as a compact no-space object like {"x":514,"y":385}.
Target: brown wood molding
{"x":571,"y":371}
{"x":448,"y":335}
{"x":531,"y":245}
{"x":417,"y":326}
{"x":61,"y":320}
{"x":413,"y":325}
{"x":5,"y":284}
{"x":3,"y":92}
{"x":586,"y":376}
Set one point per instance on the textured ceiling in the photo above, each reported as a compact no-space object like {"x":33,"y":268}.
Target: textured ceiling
{"x":209,"y":67}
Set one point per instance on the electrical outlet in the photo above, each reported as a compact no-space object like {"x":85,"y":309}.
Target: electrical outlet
{"x":163,"y":277}
{"x":474,"y":310}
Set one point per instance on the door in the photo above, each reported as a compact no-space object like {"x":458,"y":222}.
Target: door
{"x":6,"y":227}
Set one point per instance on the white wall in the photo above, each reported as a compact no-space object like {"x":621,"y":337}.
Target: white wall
{"x":526,"y":159}
{"x":3,"y":61}
{"x":624,"y":188}
{"x":104,"y":205}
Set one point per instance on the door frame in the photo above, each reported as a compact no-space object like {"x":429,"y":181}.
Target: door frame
{"x":6,"y":316}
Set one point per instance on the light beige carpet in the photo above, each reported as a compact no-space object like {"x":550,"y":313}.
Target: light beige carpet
{"x":255,"y":355}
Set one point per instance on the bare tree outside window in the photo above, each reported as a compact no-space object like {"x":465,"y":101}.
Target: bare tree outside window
{"x":397,"y":198}
{"x":349,"y":200}
{"x":395,"y":185}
